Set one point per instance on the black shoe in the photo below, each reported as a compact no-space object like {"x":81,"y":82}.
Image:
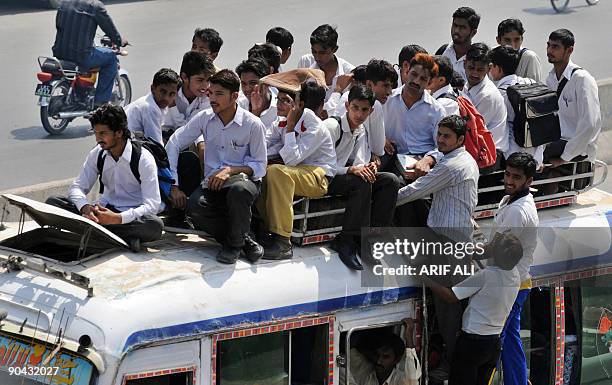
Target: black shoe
{"x":134,"y":244}
{"x":347,"y":251}
{"x":228,"y":255}
{"x":252,"y":250}
{"x":280,"y":249}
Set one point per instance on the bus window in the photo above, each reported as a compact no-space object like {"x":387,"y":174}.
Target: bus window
{"x":170,"y":379}
{"x":378,"y":351}
{"x":596,"y":298}
{"x":296,"y":357}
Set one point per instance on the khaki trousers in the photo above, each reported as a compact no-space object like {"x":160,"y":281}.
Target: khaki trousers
{"x":280,"y":184}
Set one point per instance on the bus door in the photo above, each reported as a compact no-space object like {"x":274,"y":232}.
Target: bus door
{"x":171,"y":364}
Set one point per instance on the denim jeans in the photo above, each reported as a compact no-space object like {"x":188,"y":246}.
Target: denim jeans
{"x":105,"y":59}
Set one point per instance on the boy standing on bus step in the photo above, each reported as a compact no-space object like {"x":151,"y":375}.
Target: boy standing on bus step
{"x":517,"y":213}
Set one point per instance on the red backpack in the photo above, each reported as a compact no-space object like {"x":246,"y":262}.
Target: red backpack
{"x":478,"y":140}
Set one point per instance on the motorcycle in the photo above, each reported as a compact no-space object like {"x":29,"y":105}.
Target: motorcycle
{"x":66,"y":93}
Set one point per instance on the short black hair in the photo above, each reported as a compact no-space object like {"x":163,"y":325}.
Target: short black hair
{"x":392,"y":341}
{"x":478,"y":52}
{"x":408,"y":52}
{"x":507,"y":58}
{"x":210,"y":36}
{"x":359,"y":73}
{"x":522,"y":161}
{"x":565,"y":36}
{"x":256,"y":65}
{"x":197,"y":63}
{"x":325,"y":35}
{"x":227,"y":79}
{"x":166,"y":76}
{"x":381,"y":71}
{"x":468,"y":14}
{"x":445,"y":68}
{"x":268,"y":52}
{"x":361,"y":92}
{"x":455,"y":123}
{"x":280,"y":37}
{"x":458,"y":82}
{"x":510,"y":25}
{"x":312,"y":94}
{"x":112,"y":116}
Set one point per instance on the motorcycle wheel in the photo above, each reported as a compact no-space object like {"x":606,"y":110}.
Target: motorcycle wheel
{"x":56,"y":101}
{"x":122,"y":91}
{"x":592,"y":2}
{"x":559,"y":5}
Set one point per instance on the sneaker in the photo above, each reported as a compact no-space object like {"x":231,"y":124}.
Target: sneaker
{"x":279,"y":249}
{"x":228,"y":255}
{"x":347,"y":251}
{"x":252,"y":250}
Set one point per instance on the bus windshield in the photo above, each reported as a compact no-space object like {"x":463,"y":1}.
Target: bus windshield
{"x":26,"y":362}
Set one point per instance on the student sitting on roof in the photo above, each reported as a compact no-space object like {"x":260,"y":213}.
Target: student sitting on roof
{"x":128,"y":205}
{"x":305,"y":150}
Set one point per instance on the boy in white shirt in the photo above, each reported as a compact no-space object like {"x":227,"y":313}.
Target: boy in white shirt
{"x":510,"y":32}
{"x":146,"y":114}
{"x":371,"y":194}
{"x":283,"y":39}
{"x":324,"y":44}
{"x":517,"y":213}
{"x":440,"y":86}
{"x":307,"y":162}
{"x":256,"y":98}
{"x":504,"y":61}
{"x":207,"y":41}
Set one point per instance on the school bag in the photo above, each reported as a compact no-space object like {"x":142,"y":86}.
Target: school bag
{"x":536,"y":107}
{"x":164,"y":175}
{"x":478,"y":139}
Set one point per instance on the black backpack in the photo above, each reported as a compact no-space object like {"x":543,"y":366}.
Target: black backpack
{"x":536,"y":107}
{"x":164,"y":175}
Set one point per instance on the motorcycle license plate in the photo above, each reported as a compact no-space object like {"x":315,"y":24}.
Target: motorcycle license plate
{"x":43,"y":90}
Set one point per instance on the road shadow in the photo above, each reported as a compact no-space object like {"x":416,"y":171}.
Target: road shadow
{"x":37,"y":133}
{"x":548,"y":10}
{"x":14,"y":7}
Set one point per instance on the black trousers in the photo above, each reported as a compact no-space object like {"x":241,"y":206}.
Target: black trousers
{"x":224,"y":214}
{"x":147,"y":228}
{"x":369,"y":204}
{"x":474,"y":359}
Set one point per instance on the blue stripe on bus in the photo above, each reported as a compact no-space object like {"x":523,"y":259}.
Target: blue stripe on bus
{"x":324,"y":306}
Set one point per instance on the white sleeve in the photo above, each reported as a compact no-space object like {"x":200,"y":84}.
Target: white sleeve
{"x":78,"y":190}
{"x":376,"y":131}
{"x":470,"y":286}
{"x":182,"y":138}
{"x":294,"y":151}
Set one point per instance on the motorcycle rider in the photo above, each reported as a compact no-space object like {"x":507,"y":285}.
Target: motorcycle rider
{"x":76,"y":23}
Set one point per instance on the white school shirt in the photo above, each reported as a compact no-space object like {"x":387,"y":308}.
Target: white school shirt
{"x":353,"y":147}
{"x":453,"y":181}
{"x":240,"y":142}
{"x":414,"y":130}
{"x":374,"y":124}
{"x":267,"y":116}
{"x":521,"y":218}
{"x":344,"y":67}
{"x":310,"y":143}
{"x":492,"y":292}
{"x":145,"y":116}
{"x":449,"y":52}
{"x":538,"y":151}
{"x":450,"y":106}
{"x":529,"y":66}
{"x":490,"y":103}
{"x":121,"y":188}
{"x":579,"y":113}
{"x":183,"y":111}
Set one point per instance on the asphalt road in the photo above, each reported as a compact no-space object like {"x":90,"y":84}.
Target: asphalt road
{"x":161,"y":30}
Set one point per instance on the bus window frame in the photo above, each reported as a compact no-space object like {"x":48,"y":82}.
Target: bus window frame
{"x":268,"y":328}
{"x":359,"y":328}
{"x":158,"y":373}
